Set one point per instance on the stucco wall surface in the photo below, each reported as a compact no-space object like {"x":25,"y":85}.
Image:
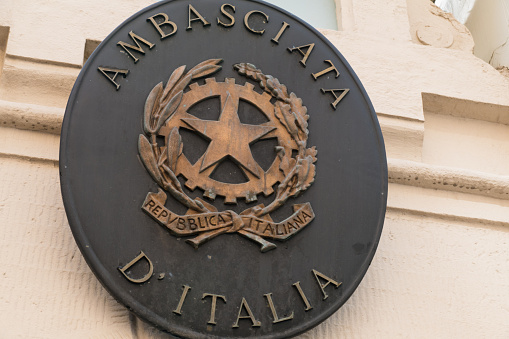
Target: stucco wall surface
{"x":441,"y":269}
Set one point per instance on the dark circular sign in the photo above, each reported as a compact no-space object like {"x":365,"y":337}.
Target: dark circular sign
{"x":223,"y":170}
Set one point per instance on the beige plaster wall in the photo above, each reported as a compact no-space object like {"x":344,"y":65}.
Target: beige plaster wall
{"x":56,"y":29}
{"x":441,"y":270}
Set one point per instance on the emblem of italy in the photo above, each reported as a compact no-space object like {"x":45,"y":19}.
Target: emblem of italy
{"x":167,"y":111}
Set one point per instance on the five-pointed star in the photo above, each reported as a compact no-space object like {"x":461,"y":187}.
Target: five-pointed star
{"x":229,"y":137}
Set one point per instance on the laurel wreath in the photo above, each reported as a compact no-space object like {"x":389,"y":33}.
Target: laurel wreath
{"x":161,"y":162}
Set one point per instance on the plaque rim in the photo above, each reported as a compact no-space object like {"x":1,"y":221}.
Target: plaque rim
{"x":104,"y":275}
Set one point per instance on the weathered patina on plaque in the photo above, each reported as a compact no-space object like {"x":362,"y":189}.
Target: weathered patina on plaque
{"x":166,"y":112}
{"x":190,"y":123}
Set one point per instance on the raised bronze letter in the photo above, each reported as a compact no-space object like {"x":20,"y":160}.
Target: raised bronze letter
{"x":104,"y":71}
{"x":165,"y":22}
{"x":329,"y":281}
{"x":309,"y":49}
{"x":134,"y":261}
{"x":281,"y":31}
{"x":327,"y":70}
{"x":246,"y":21}
{"x":138,"y":48}
{"x":273,"y":309}
{"x":178,"y":310}
{"x":212,"y":319}
{"x":197,"y":17}
{"x":225,"y":13}
{"x":303,"y":296}
{"x":338,"y":98}
{"x":250,"y":315}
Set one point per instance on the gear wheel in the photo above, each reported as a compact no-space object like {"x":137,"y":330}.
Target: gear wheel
{"x":201,"y":178}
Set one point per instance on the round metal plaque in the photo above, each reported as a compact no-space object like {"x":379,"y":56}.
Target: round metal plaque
{"x":223,"y":170}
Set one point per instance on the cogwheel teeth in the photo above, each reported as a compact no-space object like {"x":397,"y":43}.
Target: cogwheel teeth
{"x":200,"y":177}
{"x":250,"y":197}
{"x":191,"y":185}
{"x":209,"y":193}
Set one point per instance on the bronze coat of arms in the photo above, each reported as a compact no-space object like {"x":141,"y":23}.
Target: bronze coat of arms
{"x":166,"y":112}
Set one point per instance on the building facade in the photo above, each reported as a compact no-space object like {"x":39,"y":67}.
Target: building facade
{"x":441,"y":268}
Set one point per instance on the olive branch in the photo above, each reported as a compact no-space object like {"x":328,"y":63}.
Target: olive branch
{"x":161,"y":104}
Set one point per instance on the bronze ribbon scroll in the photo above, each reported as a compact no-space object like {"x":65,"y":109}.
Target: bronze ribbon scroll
{"x":215,"y":223}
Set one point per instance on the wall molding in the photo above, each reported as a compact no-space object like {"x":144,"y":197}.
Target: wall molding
{"x":446,"y":217}
{"x":31,"y":117}
{"x":463,"y":108}
{"x":444,"y":178}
